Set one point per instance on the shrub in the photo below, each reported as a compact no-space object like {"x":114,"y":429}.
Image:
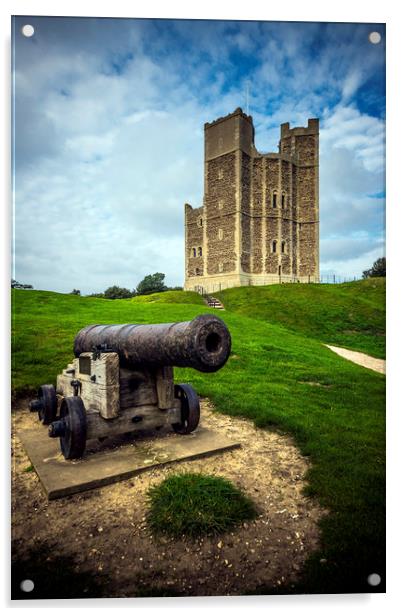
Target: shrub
{"x":116,"y":292}
{"x":379,"y":269}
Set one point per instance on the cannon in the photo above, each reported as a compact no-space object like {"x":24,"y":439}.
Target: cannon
{"x":121,"y":380}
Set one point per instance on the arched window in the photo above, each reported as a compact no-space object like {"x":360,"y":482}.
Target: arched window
{"x":283,"y":200}
{"x":283,"y":247}
{"x":194,"y":252}
{"x":200,"y":251}
{"x":274,"y":199}
{"x":274,"y":243}
{"x":199,"y":221}
{"x":197,"y":271}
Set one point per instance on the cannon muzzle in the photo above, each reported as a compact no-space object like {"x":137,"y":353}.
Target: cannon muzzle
{"x":203,"y":343}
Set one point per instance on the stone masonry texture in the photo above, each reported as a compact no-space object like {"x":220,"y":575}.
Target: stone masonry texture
{"x":259,"y":222}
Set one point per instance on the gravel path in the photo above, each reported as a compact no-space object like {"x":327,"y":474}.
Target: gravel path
{"x":360,"y":358}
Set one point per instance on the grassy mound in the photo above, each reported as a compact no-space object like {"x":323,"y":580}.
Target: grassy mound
{"x":192,"y":504}
{"x":351,"y":315}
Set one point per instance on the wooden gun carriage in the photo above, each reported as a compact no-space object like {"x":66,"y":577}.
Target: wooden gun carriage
{"x":121,"y":380}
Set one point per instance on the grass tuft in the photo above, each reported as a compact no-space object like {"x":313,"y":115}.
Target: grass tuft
{"x":193,"y":504}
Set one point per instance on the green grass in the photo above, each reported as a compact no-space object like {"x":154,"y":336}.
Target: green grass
{"x":192,"y":504}
{"x":170,"y":297}
{"x":278,"y":375}
{"x":351,"y":315}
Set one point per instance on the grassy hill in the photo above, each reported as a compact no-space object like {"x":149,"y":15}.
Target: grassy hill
{"x":351,"y":315}
{"x":279,"y":375}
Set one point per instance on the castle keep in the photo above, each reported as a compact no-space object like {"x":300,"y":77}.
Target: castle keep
{"x":259,"y":223}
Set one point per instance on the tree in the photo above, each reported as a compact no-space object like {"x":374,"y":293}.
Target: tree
{"x":378,"y":270}
{"x":18,"y":285}
{"x":116,"y":292}
{"x":153,"y":283}
{"x":75,"y":292}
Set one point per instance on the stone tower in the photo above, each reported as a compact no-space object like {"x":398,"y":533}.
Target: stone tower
{"x":259,"y":223}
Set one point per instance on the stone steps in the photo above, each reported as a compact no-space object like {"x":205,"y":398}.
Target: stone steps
{"x":214,"y":302}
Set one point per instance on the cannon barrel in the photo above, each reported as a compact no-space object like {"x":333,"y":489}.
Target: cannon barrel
{"x":203,"y":343}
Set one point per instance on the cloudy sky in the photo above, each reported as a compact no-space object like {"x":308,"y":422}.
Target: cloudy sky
{"x":108,"y":137}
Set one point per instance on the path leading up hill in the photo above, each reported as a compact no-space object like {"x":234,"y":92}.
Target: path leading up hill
{"x":360,"y":358}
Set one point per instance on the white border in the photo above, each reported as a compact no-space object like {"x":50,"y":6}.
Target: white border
{"x":292,"y":10}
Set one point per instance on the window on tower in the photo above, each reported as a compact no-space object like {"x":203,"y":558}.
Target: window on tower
{"x":220,"y":174}
{"x":194,"y":252}
{"x":283,"y":200}
{"x":283,"y":247}
{"x":274,"y":199}
{"x":200,"y":251}
{"x":274,"y":244}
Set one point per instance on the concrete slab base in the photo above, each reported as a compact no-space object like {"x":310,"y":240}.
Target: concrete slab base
{"x":113,"y":460}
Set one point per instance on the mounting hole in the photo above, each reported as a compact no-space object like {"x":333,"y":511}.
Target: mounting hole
{"x":27,"y":585}
{"x":374,"y":579}
{"x":28,"y":30}
{"x":375,"y":38}
{"x":212,"y":342}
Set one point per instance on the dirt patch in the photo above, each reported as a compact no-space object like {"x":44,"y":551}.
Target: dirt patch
{"x":378,"y":365}
{"x":104,"y":536}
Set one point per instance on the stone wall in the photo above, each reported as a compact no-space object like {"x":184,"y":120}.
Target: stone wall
{"x":194,"y":241}
{"x":220,"y":210}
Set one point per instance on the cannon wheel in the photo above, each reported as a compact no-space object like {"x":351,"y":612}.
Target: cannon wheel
{"x":47,"y":408}
{"x":72,"y":442}
{"x":190,"y":409}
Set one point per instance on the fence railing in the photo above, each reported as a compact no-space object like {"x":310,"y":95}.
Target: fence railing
{"x":324,"y":279}
{"x":334,"y":279}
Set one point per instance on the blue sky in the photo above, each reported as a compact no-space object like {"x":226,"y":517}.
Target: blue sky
{"x":108,"y":134}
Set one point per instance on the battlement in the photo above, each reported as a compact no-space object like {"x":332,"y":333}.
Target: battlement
{"x":237,"y":112}
{"x":230,"y":133}
{"x":312,"y":128}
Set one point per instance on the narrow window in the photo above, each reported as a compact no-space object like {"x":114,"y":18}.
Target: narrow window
{"x":200,"y":222}
{"x":200,"y":251}
{"x":220,"y":234}
{"x":197,"y":271}
{"x":283,"y":247}
{"x":274,"y":246}
{"x":283,"y":200}
{"x":274,"y":199}
{"x":194,"y":252}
